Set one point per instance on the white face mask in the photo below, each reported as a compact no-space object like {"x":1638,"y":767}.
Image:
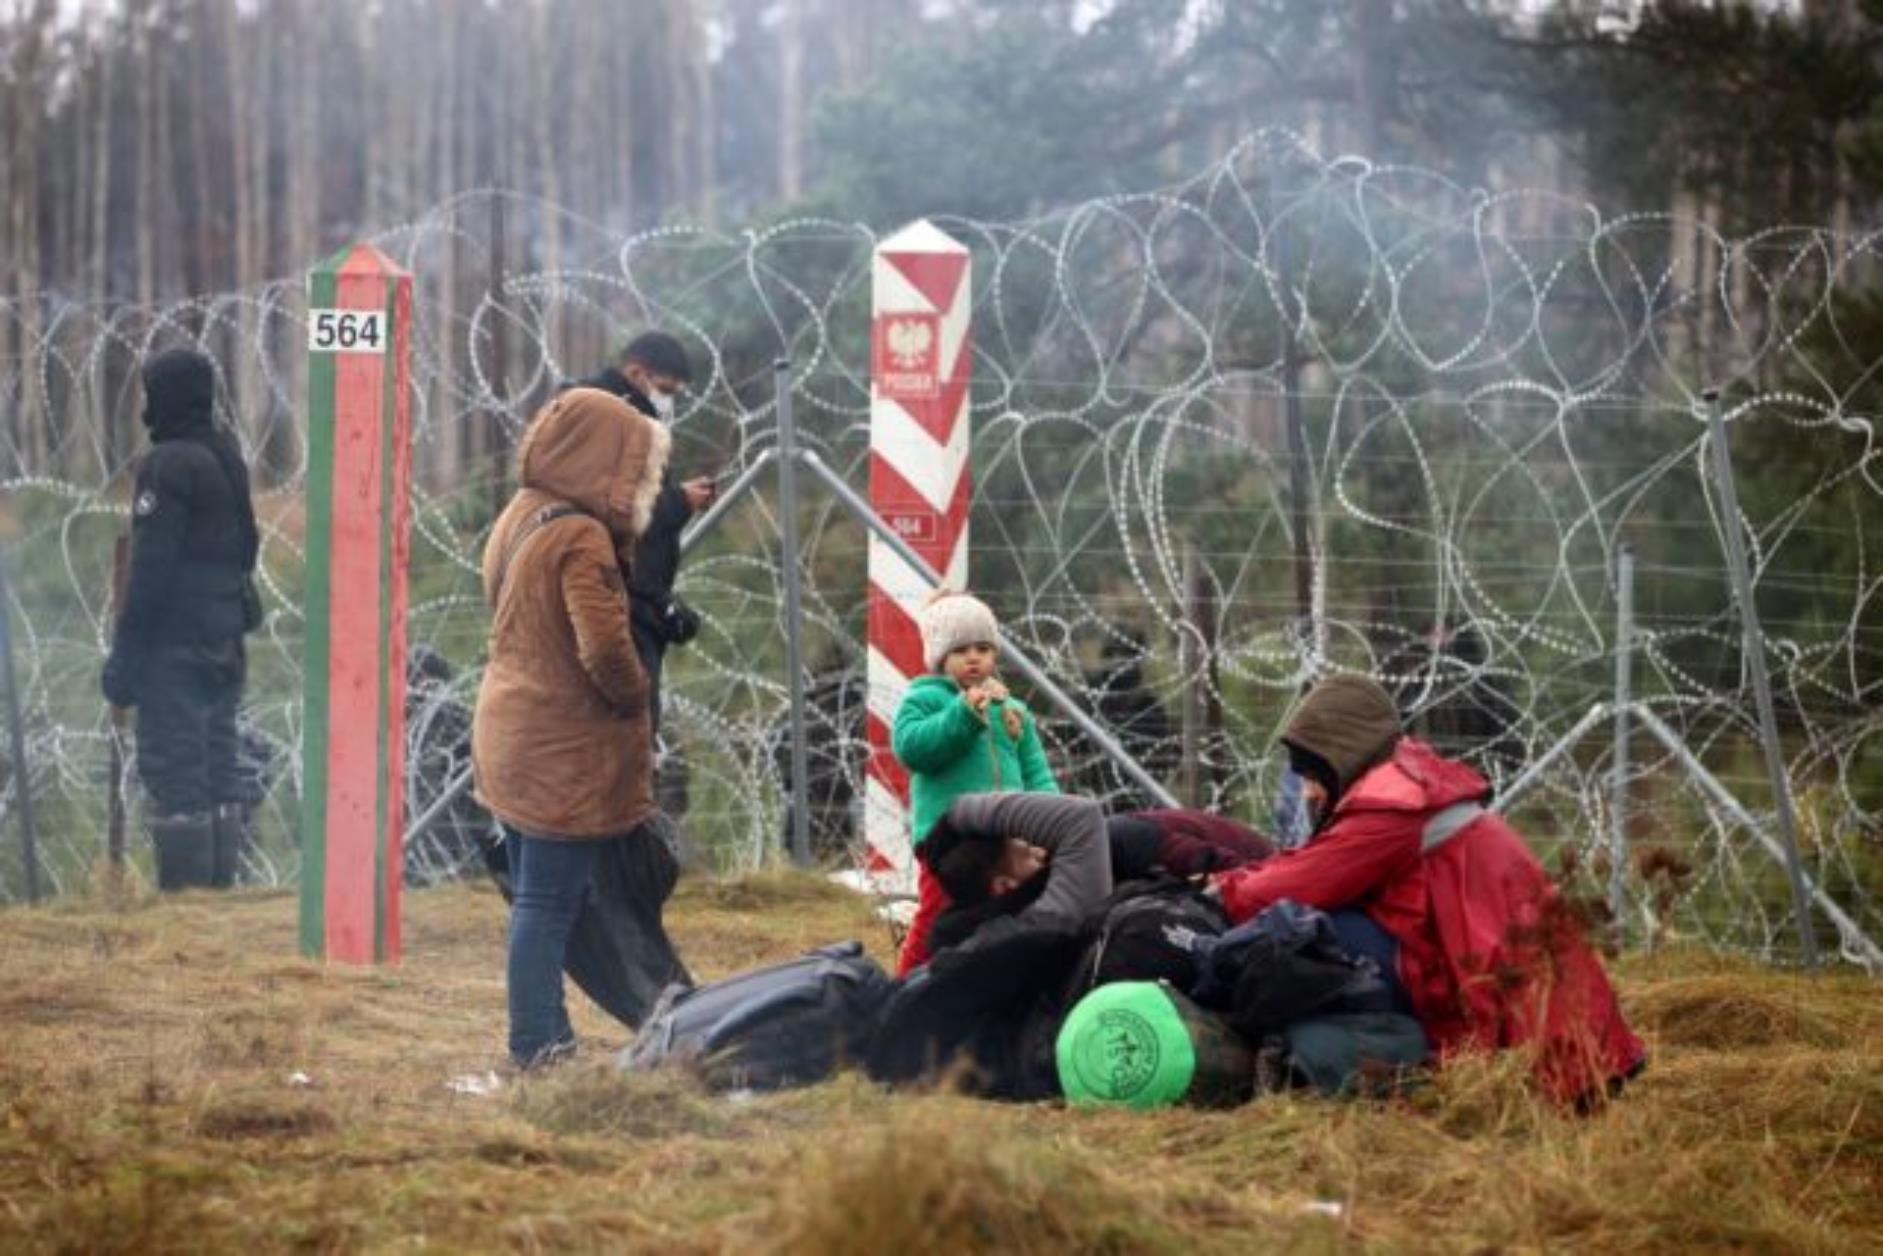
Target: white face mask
{"x":662,"y":402}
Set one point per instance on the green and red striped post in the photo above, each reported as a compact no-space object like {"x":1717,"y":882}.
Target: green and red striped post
{"x":359,"y":470}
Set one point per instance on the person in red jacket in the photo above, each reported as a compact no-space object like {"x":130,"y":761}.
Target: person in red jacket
{"x":1489,"y":952}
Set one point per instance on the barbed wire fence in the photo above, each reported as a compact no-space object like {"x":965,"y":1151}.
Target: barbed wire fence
{"x":1488,"y":393}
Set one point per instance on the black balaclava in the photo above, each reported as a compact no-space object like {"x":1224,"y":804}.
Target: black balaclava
{"x":1310,"y":766}
{"x":180,"y":404}
{"x":179,"y":394}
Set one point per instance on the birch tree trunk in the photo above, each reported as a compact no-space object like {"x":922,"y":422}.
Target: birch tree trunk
{"x":28,"y":72}
{"x":707,"y":122}
{"x":9,"y":175}
{"x":113,"y":437}
{"x":677,"y":51}
{"x":144,"y":203}
{"x":163,"y":187}
{"x":626,"y":113}
{"x":791,"y":101}
{"x":546,"y":74}
{"x":245,"y":230}
{"x":200,"y":267}
{"x":588,"y":185}
{"x":302,"y":191}
{"x":460,"y":171}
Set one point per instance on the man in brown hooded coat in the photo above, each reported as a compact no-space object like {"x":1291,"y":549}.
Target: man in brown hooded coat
{"x":561,"y":741}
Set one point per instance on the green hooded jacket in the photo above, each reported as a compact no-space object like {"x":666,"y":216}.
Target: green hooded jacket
{"x":951,"y":751}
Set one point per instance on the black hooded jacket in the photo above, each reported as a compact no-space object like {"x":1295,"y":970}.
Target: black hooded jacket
{"x":656,"y":562}
{"x":193,"y":536}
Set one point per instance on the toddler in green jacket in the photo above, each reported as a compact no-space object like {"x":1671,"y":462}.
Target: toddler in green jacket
{"x":959,"y":731}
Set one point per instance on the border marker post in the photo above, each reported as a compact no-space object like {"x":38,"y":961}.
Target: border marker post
{"x":359,"y":468}
{"x":920,"y":364}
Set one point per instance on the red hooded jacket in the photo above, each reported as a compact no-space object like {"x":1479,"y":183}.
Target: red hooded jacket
{"x":1488,"y":950}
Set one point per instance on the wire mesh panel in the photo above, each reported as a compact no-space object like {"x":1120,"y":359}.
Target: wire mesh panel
{"x":1486,"y":392}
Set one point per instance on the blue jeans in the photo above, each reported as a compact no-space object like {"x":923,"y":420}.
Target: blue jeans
{"x":550,"y":880}
{"x":1360,"y":935}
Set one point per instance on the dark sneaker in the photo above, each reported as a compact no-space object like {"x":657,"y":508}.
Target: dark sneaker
{"x":547,"y":1058}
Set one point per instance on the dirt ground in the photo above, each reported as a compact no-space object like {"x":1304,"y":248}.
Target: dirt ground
{"x":173,"y":1078}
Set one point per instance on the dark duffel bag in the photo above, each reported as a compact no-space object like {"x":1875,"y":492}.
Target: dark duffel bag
{"x":984,"y":1013}
{"x":1152,"y":931}
{"x":1282,"y":966}
{"x":788,"y":1024}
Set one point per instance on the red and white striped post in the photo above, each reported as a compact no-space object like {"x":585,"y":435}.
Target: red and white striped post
{"x":920,"y":363}
{"x":359,"y":471}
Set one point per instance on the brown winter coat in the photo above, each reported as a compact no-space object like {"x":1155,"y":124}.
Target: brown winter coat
{"x":561,"y":743}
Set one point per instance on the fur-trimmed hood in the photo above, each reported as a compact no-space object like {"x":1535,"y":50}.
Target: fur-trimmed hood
{"x":561,"y":740}
{"x":596,"y":452}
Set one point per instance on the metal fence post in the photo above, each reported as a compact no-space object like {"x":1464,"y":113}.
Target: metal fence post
{"x":1190,"y":667}
{"x":16,"y":731}
{"x":1741,"y":572}
{"x":1857,"y":944}
{"x":1618,"y":805}
{"x":1010,"y":652}
{"x":794,"y":611}
{"x":117,"y":724}
{"x":1513,"y":793}
{"x":1300,"y":507}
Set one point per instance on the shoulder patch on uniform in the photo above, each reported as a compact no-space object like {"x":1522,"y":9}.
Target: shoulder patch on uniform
{"x":146,"y":504}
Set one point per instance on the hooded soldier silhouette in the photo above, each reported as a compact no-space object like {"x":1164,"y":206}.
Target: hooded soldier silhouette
{"x":177,"y":653}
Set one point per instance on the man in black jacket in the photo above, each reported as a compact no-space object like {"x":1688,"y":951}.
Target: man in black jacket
{"x":649,"y":375}
{"x":177,"y":653}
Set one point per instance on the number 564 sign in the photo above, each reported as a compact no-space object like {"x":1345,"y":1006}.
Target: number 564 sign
{"x":346,"y":331}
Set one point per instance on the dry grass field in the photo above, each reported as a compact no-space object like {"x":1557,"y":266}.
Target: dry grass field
{"x":149,"y":1102}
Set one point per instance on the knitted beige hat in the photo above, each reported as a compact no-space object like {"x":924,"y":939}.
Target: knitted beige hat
{"x":951,"y":620}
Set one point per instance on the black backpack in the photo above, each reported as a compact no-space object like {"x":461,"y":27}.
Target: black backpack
{"x":1152,"y":931}
{"x":788,"y":1024}
{"x":1282,"y":966}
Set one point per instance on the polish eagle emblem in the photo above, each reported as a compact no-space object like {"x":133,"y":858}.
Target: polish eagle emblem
{"x":909,"y":342}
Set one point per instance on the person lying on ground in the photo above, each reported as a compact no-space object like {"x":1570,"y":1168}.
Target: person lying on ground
{"x":1489,"y":952}
{"x":1181,"y":842}
{"x":1026,"y":857}
{"x":1173,"y":842}
{"x":958,"y":731}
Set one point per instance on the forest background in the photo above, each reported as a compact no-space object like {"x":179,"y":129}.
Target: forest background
{"x":157,"y":149}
